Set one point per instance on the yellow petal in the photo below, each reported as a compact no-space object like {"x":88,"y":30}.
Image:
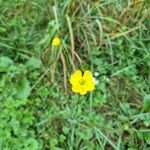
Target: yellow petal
{"x":83,"y":92}
{"x":75,"y":77}
{"x":56,"y":41}
{"x":75,"y":89}
{"x":90,"y":86}
{"x":87,"y":75}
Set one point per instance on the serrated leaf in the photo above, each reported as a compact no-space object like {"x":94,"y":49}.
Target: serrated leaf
{"x":5,"y":63}
{"x":23,"y":89}
{"x":33,"y":63}
{"x":147,"y":102}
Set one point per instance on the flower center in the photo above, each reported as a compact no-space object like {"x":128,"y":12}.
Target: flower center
{"x":82,"y":82}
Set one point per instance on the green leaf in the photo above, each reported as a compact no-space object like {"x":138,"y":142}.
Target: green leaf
{"x":33,"y":63}
{"x":146,"y":136}
{"x":147,"y":102}
{"x":31,"y":144}
{"x":23,"y":89}
{"x":62,"y":138}
{"x":65,"y":130}
{"x":98,"y":99}
{"x":2,"y":29}
{"x":97,"y":61}
{"x":5,"y":63}
{"x":53,"y":142}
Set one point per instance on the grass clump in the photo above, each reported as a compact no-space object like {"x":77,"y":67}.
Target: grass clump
{"x":38,"y":110}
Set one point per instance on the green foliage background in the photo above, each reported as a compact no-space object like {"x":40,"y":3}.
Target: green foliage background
{"x":111,"y":37}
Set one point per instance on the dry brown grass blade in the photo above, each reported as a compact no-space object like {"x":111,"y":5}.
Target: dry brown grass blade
{"x":53,"y":72}
{"x":71,"y":37}
{"x":40,"y":78}
{"x":64,"y":71}
{"x":72,"y":63}
{"x":136,"y":3}
{"x":124,"y":33}
{"x":79,"y":59}
{"x":53,"y":65}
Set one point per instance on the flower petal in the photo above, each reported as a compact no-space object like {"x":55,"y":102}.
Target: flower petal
{"x":90,"y":86}
{"x":75,"y":89}
{"x":87,"y":75}
{"x":56,"y":41}
{"x":83,"y":92}
{"x":75,"y":77}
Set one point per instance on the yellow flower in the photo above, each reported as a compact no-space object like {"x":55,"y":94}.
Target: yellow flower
{"x":82,"y":83}
{"x":56,"y":41}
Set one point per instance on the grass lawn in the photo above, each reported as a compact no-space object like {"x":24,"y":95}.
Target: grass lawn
{"x":40,"y":109}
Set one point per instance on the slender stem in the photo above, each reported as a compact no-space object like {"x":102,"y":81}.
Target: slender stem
{"x":91,"y":101}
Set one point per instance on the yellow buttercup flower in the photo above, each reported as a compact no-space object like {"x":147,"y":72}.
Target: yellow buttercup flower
{"x":82,"y":83}
{"x":56,"y":41}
